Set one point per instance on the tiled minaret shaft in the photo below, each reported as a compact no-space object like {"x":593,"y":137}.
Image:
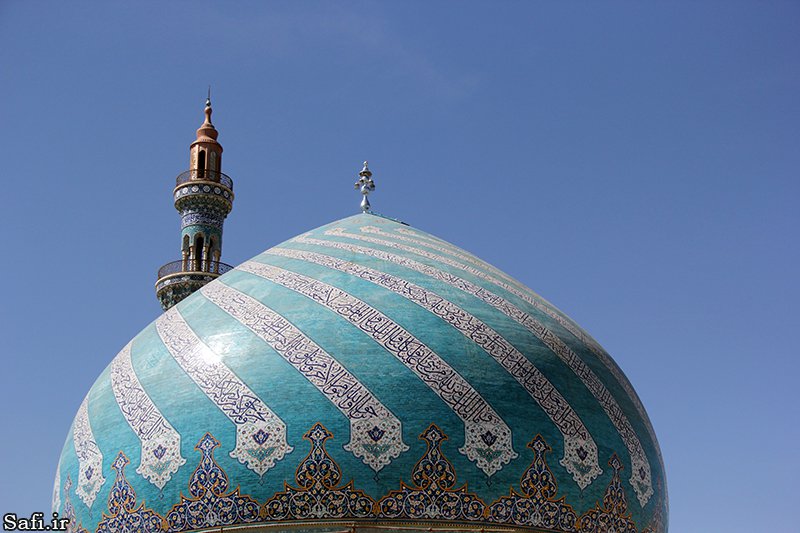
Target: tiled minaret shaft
{"x":203,"y":196}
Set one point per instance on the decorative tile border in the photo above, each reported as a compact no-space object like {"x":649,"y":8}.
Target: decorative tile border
{"x":319,"y":497}
{"x":69,"y":510}
{"x":613,"y":514}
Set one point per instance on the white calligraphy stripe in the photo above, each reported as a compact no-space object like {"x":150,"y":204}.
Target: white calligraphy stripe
{"x":533,"y":299}
{"x":376,"y":435}
{"x":447,"y":248}
{"x":260,"y":434}
{"x":580,"y":451}
{"x":530,"y":297}
{"x":161,"y":444}
{"x":641,"y":478}
{"x":487,"y":436}
{"x":56,"y":507}
{"x":90,"y":460}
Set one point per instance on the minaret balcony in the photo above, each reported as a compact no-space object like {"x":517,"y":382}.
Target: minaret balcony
{"x":189,"y":273}
{"x":204,"y":186}
{"x":199,"y":175}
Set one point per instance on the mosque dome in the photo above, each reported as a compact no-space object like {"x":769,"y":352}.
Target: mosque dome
{"x":364,"y":375}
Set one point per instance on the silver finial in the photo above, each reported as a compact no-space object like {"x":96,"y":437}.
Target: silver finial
{"x":366,"y":185}
{"x":208,"y":99}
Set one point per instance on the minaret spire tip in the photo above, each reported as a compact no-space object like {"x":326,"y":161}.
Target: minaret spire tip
{"x":207,"y":111}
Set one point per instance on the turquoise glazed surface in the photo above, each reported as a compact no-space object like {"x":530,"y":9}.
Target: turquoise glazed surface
{"x":366,"y":373}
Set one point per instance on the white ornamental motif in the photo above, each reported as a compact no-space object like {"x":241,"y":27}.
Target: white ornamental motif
{"x":487,"y":436}
{"x":90,"y":460}
{"x":161,"y":444}
{"x":260,"y":434}
{"x":376,"y":435}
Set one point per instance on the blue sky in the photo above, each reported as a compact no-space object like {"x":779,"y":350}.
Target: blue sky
{"x":634,"y":163}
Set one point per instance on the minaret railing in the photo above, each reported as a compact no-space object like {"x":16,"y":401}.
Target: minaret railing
{"x":184,"y":267}
{"x":204,"y":175}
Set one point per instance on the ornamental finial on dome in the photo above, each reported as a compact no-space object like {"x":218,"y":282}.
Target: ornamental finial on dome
{"x":366,"y":185}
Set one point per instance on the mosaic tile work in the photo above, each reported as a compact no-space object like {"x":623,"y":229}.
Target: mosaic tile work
{"x":260,"y":434}
{"x":123,"y":514}
{"x":641,"y":478}
{"x":535,"y":505}
{"x":319,"y":493}
{"x":211,"y":504}
{"x":433,"y":492}
{"x":375,"y":433}
{"x":613,"y":514}
{"x":319,"y":496}
{"x":161,"y":444}
{"x":580,"y":450}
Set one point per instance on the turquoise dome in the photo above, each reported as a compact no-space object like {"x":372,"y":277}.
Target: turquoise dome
{"x":362,"y":375}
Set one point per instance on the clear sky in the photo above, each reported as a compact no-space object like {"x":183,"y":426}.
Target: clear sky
{"x":635,"y":163}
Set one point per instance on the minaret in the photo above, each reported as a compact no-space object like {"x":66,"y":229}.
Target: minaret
{"x":203,"y":196}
